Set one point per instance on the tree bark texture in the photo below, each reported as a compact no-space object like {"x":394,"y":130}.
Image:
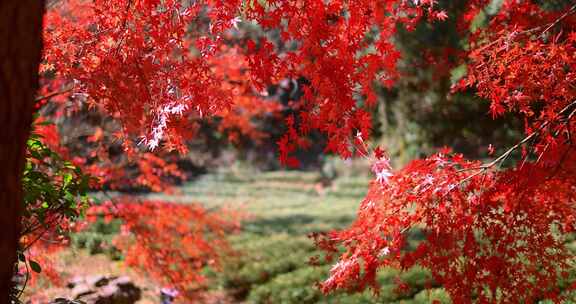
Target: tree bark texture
{"x":20,"y":55}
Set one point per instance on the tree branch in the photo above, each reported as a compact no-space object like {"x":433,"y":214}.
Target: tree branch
{"x":503,"y":156}
{"x":48,"y":96}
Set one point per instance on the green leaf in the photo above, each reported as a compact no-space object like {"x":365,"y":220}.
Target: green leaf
{"x":35,"y":266}
{"x":67,"y":179}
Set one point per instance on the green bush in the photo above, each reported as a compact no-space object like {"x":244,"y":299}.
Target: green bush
{"x":299,"y":287}
{"x":262,"y":259}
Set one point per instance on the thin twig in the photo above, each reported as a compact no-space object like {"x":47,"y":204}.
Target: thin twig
{"x":535,"y":29}
{"x":36,"y":239}
{"x":25,"y":281}
{"x":569,"y":12}
{"x":48,"y":96}
{"x":124,"y":26}
{"x":503,"y":156}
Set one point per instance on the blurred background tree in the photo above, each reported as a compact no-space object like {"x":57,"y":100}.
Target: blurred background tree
{"x":420,"y":113}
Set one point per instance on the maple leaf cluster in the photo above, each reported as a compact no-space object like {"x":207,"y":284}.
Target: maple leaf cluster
{"x":485,"y":233}
{"x":162,"y":247}
{"x":490,"y":235}
{"x":132,"y":59}
{"x":95,"y":149}
{"x":248,"y":105}
{"x":152,"y":65}
{"x":165,"y":104}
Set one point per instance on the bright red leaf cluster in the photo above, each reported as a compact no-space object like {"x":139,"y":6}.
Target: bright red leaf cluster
{"x":171,"y":243}
{"x":494,"y":236}
{"x":150,"y":64}
{"x":491,"y":235}
{"x":248,"y":105}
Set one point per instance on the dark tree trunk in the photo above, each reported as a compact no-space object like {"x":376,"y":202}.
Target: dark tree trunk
{"x":20,"y":55}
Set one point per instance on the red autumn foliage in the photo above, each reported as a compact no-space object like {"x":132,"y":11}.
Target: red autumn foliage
{"x":485,"y":232}
{"x":173,"y":251}
{"x":139,"y":51}
{"x":237,"y":122}
{"x":491,"y":234}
